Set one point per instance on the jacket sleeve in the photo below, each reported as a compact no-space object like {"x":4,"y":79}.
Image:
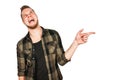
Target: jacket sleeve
{"x":20,"y":59}
{"x":60,"y":51}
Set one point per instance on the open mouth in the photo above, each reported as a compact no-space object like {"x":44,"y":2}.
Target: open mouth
{"x":32,"y":20}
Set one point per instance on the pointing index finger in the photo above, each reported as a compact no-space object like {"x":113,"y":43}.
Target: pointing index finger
{"x":89,"y":33}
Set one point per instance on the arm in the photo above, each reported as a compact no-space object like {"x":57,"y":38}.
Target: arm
{"x":79,"y":39}
{"x":20,"y":61}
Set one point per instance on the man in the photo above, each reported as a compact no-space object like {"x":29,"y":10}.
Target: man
{"x":41,"y":50}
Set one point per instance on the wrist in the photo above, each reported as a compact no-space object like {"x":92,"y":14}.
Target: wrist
{"x":75,"y":43}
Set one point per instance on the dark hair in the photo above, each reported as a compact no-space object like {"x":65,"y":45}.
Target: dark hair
{"x":24,"y":7}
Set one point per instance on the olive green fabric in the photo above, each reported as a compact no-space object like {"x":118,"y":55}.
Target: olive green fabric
{"x":53,"y":51}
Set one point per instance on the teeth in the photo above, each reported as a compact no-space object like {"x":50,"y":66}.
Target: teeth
{"x":31,"y":20}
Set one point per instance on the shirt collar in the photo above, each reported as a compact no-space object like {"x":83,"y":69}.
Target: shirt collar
{"x":28,"y":35}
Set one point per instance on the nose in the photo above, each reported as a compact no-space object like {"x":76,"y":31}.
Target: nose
{"x":28,"y":15}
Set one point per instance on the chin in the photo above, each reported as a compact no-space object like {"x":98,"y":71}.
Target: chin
{"x":32,"y":26}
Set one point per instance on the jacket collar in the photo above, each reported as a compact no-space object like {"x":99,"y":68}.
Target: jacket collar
{"x":27,"y":37}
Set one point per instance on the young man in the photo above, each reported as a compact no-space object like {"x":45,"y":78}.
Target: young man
{"x":41,"y":50}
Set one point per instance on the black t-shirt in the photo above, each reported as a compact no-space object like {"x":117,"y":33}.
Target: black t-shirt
{"x":41,"y":72}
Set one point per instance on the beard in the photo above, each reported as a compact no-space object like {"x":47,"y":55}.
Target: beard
{"x":33,"y":26}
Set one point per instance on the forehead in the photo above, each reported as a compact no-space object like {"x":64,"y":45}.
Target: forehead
{"x":26,"y":11}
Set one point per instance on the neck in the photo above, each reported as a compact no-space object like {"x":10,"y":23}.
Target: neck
{"x":35,"y":34}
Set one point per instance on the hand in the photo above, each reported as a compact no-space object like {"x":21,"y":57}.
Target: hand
{"x":82,"y":37}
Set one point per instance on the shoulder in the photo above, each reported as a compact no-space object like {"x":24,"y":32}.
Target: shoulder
{"x":20,"y":42}
{"x":51,"y":31}
{"x":23,"y":39}
{"x":51,"y":34}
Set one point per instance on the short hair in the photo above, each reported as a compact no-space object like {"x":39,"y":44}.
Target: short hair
{"x":24,"y":7}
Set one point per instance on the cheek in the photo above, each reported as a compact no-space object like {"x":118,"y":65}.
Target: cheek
{"x":35,"y":17}
{"x":25,"y":21}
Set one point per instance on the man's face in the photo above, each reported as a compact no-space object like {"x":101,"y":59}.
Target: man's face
{"x":29,"y":18}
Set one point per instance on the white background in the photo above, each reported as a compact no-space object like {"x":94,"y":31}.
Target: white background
{"x":98,"y":59}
